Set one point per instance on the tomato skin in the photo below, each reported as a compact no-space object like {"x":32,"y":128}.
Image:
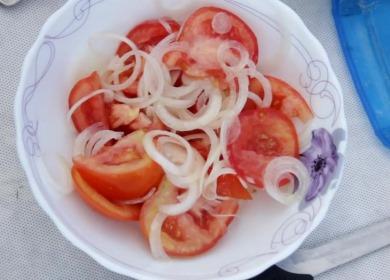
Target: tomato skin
{"x":100,"y":204}
{"x":122,"y":171}
{"x":186,"y":235}
{"x":230,"y":186}
{"x":147,"y":34}
{"x":91,"y":111}
{"x":285,"y":99}
{"x":197,"y":31}
{"x":265,"y":134}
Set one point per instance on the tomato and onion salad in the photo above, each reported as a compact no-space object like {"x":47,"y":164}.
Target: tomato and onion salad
{"x":180,"y":126}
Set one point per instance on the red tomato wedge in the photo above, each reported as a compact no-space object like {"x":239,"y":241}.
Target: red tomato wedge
{"x":93,"y":110}
{"x":201,"y":60}
{"x":101,"y":204}
{"x":230,"y":186}
{"x":189,"y":234}
{"x":122,"y":171}
{"x":145,"y":35}
{"x":285,"y":99}
{"x":264,"y":135}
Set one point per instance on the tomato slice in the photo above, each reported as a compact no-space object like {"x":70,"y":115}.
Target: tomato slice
{"x":147,"y":34}
{"x":189,"y":234}
{"x":264,"y":135}
{"x":230,"y":186}
{"x":285,"y":98}
{"x":101,"y":204}
{"x":91,"y":111}
{"x":201,"y":60}
{"x":122,"y":171}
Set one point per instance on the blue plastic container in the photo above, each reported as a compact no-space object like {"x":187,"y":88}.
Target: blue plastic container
{"x":364,"y":31}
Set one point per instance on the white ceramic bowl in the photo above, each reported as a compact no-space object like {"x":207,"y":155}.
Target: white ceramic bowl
{"x":264,"y":233}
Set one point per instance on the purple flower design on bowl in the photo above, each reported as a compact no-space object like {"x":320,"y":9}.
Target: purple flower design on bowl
{"x":321,"y":160}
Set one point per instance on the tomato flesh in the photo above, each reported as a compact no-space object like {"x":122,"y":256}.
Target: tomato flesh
{"x":285,"y":99}
{"x":201,"y":59}
{"x":101,"y":204}
{"x":230,"y":186}
{"x":146,"y":35}
{"x":93,"y":110}
{"x":122,"y":171}
{"x":189,"y":234}
{"x":264,"y":135}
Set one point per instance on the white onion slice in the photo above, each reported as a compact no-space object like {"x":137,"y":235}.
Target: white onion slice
{"x":226,"y":57}
{"x":166,"y":25}
{"x":304,"y":131}
{"x":83,"y":138}
{"x":213,"y":156}
{"x":255,"y":98}
{"x":210,"y":189}
{"x":175,"y":75}
{"x":99,"y":139}
{"x":155,"y":241}
{"x":184,"y":182}
{"x":169,"y":166}
{"x":188,"y":201}
{"x":84,"y":99}
{"x":206,"y":117}
{"x":137,"y":65}
{"x":138,"y":200}
{"x":221,"y":23}
{"x":197,"y":136}
{"x":239,"y":105}
{"x":265,"y":83}
{"x":279,"y":167}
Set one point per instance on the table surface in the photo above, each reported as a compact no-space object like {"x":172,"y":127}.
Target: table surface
{"x":31,"y":247}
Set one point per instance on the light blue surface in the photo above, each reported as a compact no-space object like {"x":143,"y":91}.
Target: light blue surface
{"x":364,"y":30}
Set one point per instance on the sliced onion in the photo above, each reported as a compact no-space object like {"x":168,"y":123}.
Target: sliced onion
{"x":279,"y":167}
{"x":197,"y":136}
{"x":138,"y":200}
{"x":213,"y":156}
{"x":208,"y":115}
{"x":181,"y":103}
{"x":175,"y":75}
{"x":189,"y":91}
{"x":166,"y":25}
{"x":137,"y":65}
{"x":239,"y":105}
{"x":265,"y":83}
{"x":83,"y":138}
{"x":255,"y":98}
{"x":202,"y":101}
{"x":168,"y":44}
{"x":211,"y":184}
{"x":84,"y":99}
{"x":221,"y":23}
{"x":99,"y":139}
{"x":155,"y":241}
{"x":304,"y":131}
{"x":151,"y":85}
{"x":169,"y":166}
{"x":226,"y":57}
{"x":189,"y":200}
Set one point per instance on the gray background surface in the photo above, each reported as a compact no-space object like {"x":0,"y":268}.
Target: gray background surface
{"x":31,"y":247}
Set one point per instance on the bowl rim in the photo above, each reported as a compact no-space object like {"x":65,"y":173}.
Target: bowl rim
{"x":96,"y":254}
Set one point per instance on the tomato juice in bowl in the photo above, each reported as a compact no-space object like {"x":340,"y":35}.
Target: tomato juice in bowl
{"x":241,"y":123}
